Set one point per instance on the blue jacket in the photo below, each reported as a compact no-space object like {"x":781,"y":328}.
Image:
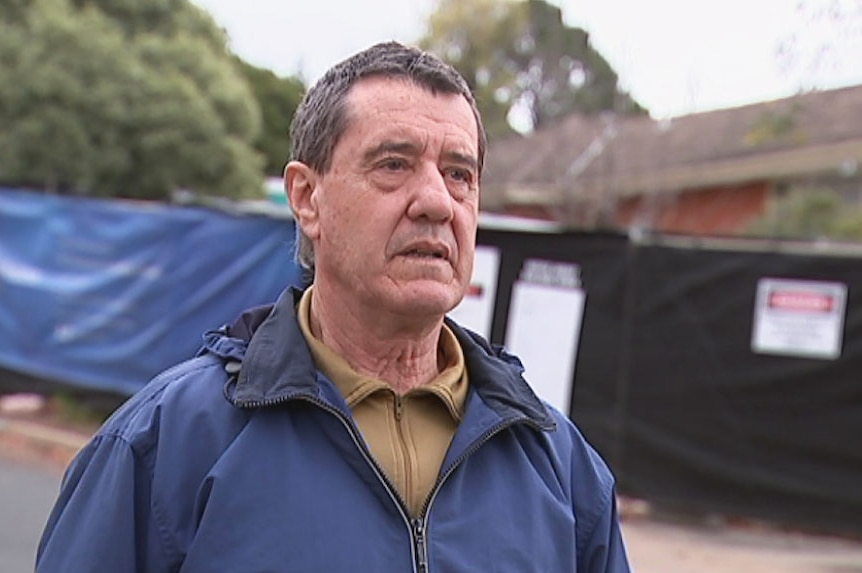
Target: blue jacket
{"x":261,"y":469}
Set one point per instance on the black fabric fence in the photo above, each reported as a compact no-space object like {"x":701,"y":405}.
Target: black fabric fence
{"x":668,"y":386}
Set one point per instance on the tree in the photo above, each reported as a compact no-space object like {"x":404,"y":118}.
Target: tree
{"x":278,"y":99}
{"x":521,"y":55}
{"x":809,"y":213}
{"x":162,"y":18}
{"x":137,"y":101}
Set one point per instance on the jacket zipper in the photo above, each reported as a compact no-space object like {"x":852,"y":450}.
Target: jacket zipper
{"x":421,"y":544}
{"x":419,"y":551}
{"x":418,"y":527}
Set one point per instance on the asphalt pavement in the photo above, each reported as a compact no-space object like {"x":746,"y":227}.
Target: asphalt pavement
{"x":27,"y":492}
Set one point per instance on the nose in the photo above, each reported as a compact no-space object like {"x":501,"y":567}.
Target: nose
{"x":430,"y":198}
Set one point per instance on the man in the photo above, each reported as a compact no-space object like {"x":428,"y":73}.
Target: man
{"x":350,"y":427}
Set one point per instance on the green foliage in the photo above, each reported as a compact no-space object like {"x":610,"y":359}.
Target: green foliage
{"x":809,"y":213}
{"x":775,"y":126}
{"x":468,"y":34}
{"x":522,"y":54}
{"x":130,"y":99}
{"x":278,"y":99}
{"x":162,"y":18}
{"x":77,"y":411}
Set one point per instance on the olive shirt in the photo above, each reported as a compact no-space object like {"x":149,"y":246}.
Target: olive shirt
{"x":408,"y":434}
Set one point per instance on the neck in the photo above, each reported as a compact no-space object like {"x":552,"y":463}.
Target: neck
{"x":402,"y":353}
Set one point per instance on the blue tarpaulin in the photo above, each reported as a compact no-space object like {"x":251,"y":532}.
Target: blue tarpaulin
{"x":104,"y":294}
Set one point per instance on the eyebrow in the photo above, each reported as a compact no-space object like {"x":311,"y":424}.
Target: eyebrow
{"x":410,"y":148}
{"x":462,"y":158}
{"x":386,"y":147}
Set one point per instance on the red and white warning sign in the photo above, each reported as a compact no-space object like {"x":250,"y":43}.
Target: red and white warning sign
{"x":799,"y":318}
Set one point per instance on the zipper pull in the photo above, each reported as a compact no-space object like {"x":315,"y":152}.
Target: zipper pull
{"x":421,"y":546}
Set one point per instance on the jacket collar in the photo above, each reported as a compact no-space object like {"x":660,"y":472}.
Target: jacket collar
{"x":498,"y":379}
{"x":277,"y":364}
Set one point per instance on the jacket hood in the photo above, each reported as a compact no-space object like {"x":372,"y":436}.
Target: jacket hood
{"x":266,"y":347}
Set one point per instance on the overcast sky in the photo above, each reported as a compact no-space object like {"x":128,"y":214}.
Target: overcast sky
{"x":674,"y":56}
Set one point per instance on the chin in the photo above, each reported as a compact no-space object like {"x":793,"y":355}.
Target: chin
{"x":427,"y":300}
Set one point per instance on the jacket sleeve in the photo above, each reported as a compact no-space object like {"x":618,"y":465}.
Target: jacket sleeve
{"x":605,"y":552}
{"x":599,"y":541}
{"x":102,"y":519}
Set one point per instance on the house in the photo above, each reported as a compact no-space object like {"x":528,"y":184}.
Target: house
{"x":705,"y":173}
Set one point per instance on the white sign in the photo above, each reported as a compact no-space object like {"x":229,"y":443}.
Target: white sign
{"x":476,"y":310}
{"x":543,"y":330}
{"x":799,"y":318}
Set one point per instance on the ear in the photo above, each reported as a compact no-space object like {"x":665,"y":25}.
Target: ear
{"x":300,"y":182}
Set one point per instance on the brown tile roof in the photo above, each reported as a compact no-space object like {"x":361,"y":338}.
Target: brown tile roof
{"x":809,"y":133}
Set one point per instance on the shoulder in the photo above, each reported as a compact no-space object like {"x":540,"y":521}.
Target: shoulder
{"x":591,"y":480}
{"x":157,"y":447}
{"x":586,"y":462}
{"x":188,"y":394}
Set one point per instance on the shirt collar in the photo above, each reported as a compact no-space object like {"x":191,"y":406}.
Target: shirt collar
{"x":450,"y":386}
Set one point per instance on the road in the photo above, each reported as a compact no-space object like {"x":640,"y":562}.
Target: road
{"x":657,"y":546}
{"x":27,"y":492}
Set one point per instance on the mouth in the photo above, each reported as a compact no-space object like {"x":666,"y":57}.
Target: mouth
{"x":424,"y":254}
{"x":435,"y":251}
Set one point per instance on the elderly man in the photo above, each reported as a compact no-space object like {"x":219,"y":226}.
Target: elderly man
{"x":350,"y":427}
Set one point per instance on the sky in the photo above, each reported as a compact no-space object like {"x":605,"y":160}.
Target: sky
{"x":675,"y":57}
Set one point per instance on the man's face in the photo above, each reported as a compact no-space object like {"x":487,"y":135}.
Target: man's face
{"x":399,"y":206}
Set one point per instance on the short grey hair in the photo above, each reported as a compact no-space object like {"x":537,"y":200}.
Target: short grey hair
{"x":322,"y":118}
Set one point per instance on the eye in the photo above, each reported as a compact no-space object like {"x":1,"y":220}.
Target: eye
{"x":393,"y":164}
{"x":460,"y":175}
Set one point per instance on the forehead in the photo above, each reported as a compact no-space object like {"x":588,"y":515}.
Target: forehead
{"x":377,"y":107}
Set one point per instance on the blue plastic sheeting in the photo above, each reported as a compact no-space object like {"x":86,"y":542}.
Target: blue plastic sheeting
{"x":105,"y":294}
